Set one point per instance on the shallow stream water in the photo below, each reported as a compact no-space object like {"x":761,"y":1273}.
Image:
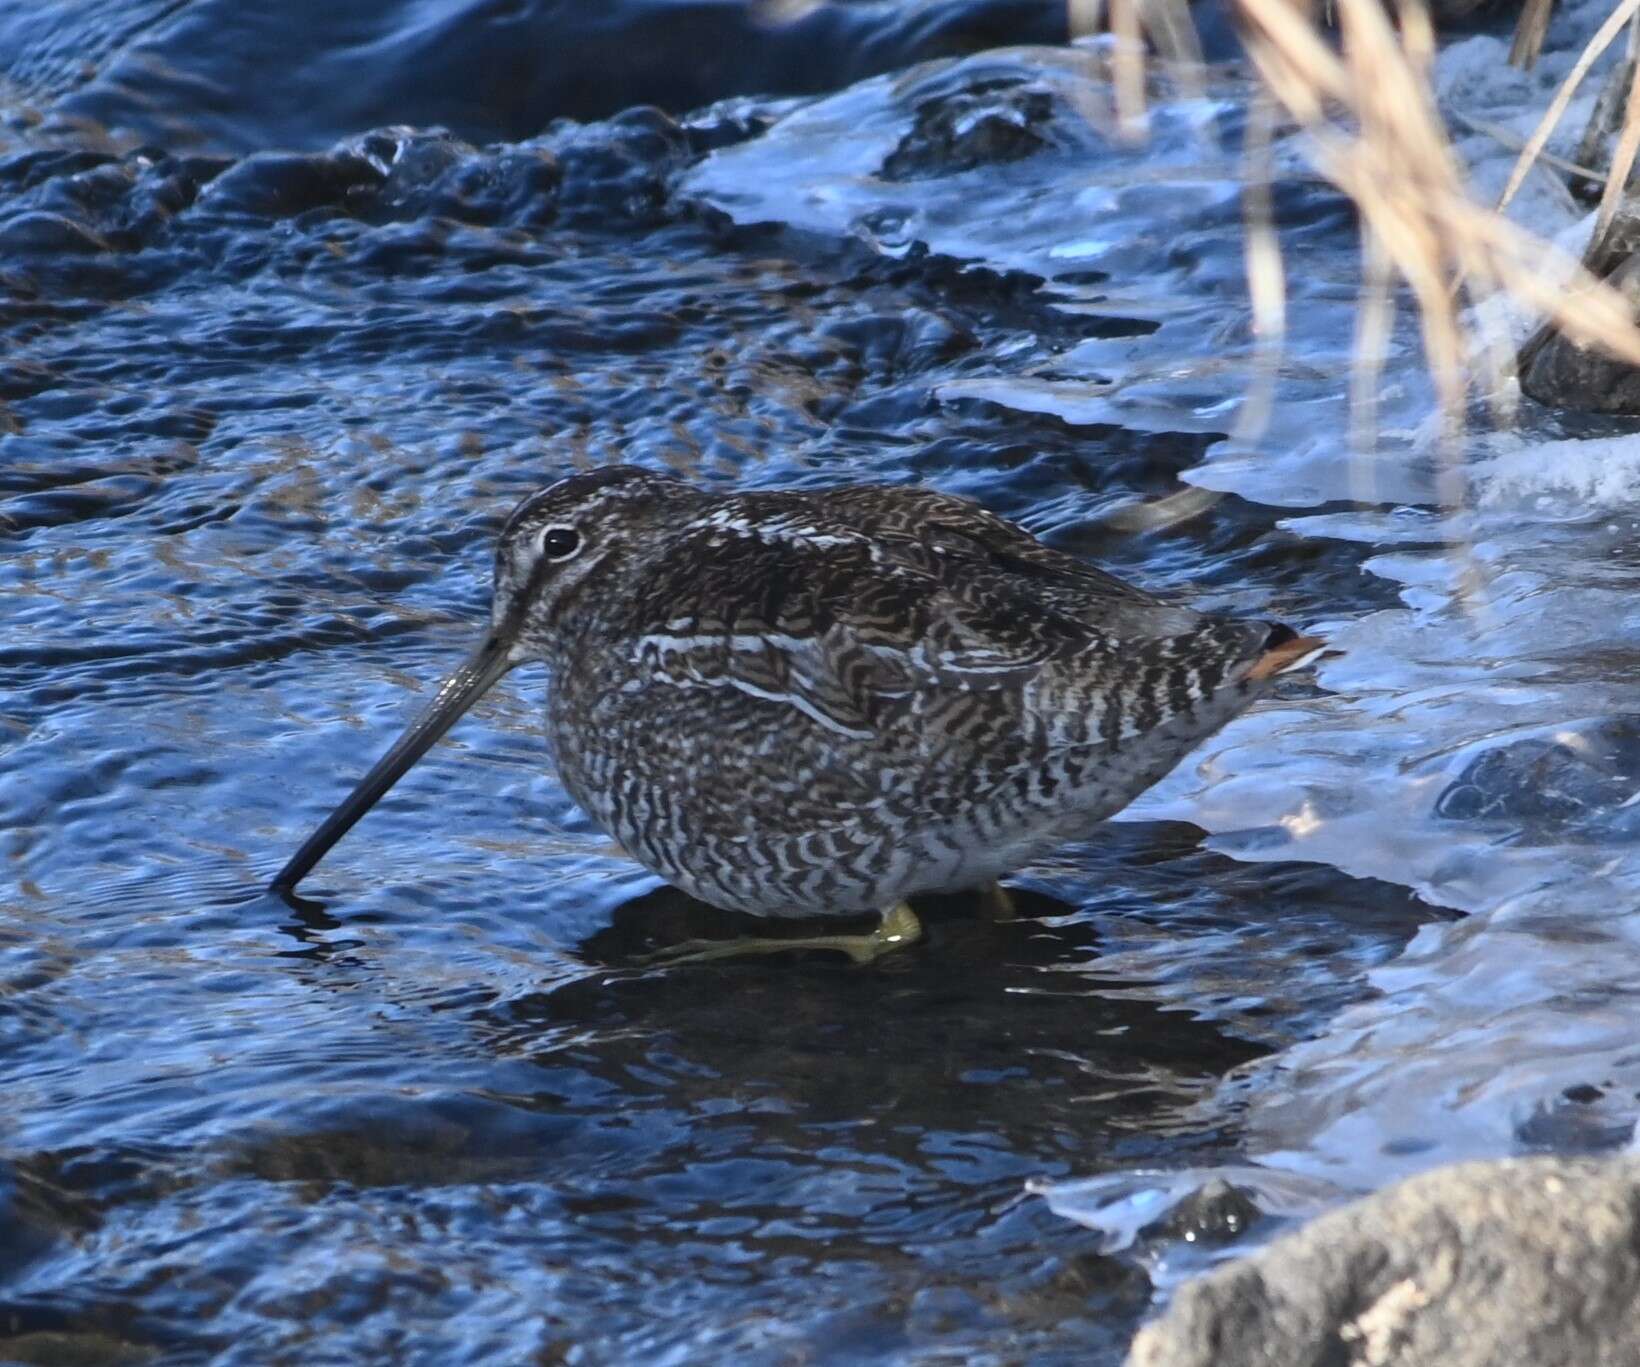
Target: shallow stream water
{"x":271,"y":379}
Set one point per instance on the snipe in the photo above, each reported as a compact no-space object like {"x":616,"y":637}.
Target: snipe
{"x":822,"y":703}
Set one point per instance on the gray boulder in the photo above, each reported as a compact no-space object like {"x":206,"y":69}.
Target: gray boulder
{"x":1531,"y":1262}
{"x":1556,"y":371}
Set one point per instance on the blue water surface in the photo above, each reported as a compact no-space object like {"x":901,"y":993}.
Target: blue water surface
{"x":272,"y":375}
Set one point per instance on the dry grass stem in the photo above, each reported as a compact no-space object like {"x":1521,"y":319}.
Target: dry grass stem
{"x":1266,"y":277}
{"x":1552,"y":116}
{"x":1505,"y":137}
{"x":1529,"y":33}
{"x":1130,"y":66}
{"x":1374,"y":325}
{"x":1366,"y":107}
{"x":1622,"y":158}
{"x":1164,"y":24}
{"x":1174,"y":33}
{"x":1397,"y":165}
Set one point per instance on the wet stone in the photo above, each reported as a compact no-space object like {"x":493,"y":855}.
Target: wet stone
{"x":937,"y":1311}
{"x":47,"y":233}
{"x":1447,"y":12}
{"x":282,"y":185}
{"x":30,"y":1222}
{"x":1594,"y":148}
{"x":433,"y":175}
{"x":21,"y":379}
{"x":900,"y":343}
{"x":1563,"y":374}
{"x":1499,"y":1264}
{"x":624,"y":165}
{"x":421,"y":161}
{"x":73,"y":1349}
{"x":732,"y":121}
{"x":1575,"y":783}
{"x":983,"y":125}
{"x":37,"y":167}
{"x":1216,"y":1213}
{"x":97,"y":206}
{"x":1576,"y":1124}
{"x":1557,"y":371}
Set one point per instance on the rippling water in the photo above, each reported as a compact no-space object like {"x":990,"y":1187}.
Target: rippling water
{"x":1476,"y":739}
{"x":271,"y":380}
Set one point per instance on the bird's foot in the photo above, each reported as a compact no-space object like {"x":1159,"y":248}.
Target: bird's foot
{"x":998,"y":903}
{"x":898,"y":928}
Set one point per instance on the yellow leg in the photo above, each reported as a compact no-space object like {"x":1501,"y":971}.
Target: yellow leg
{"x":998,"y":903}
{"x":898,"y":928}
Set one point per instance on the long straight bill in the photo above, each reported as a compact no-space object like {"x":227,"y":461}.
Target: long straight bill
{"x":455,"y":695}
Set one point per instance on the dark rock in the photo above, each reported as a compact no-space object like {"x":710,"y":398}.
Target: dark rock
{"x":49,"y":233}
{"x":1563,"y":374}
{"x":435,"y":175}
{"x":1557,"y":371}
{"x":1575,"y":1125}
{"x":737,"y":119}
{"x":1524,"y":781}
{"x":1573,"y":786}
{"x":1215,"y":1213}
{"x":622,"y":168}
{"x":98,"y":205}
{"x":1594,"y":149}
{"x":39,"y":166}
{"x":74,"y":1348}
{"x":20,"y":379}
{"x":284,"y":184}
{"x":1516,"y":1263}
{"x":964,"y":128}
{"x":898,"y":343}
{"x":942,"y":1311}
{"x":1448,"y":12}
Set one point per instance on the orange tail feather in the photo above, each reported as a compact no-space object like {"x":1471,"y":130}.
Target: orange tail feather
{"x":1293,"y":654}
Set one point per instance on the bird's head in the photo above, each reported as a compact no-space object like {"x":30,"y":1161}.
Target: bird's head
{"x":571,"y":539}
{"x":559,"y":546}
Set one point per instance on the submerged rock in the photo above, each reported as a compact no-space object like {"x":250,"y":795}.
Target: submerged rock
{"x":1577,"y":783}
{"x":1216,"y":1213}
{"x":1513,"y":1263}
{"x":961,"y":127}
{"x":285,"y":184}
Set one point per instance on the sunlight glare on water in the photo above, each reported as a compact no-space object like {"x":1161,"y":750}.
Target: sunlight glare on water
{"x":261,"y":416}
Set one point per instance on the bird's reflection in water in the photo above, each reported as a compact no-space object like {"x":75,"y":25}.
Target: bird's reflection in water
{"x":961,"y":1031}
{"x":677,"y":1131}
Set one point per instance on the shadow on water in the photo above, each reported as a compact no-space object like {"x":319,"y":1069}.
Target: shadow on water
{"x":768,"y":1157}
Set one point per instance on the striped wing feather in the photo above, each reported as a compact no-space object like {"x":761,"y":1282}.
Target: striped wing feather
{"x":847,"y":614}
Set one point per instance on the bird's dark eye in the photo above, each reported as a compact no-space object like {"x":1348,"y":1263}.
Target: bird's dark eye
{"x":559,"y":543}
